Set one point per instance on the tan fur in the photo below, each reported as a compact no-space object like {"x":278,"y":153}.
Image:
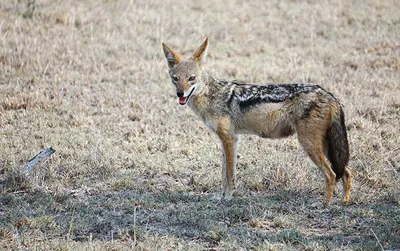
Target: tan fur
{"x":174,"y":55}
{"x":225,"y":133}
{"x":268,"y":122}
{"x":199,"y":54}
{"x":346,"y":186}
{"x":310,"y":113}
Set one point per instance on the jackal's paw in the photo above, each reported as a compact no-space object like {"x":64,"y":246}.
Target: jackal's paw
{"x":227,"y":195}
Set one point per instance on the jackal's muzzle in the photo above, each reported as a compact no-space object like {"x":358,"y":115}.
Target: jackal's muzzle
{"x":184,"y":97}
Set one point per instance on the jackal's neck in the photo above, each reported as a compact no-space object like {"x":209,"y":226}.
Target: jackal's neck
{"x":210,"y":85}
{"x":202,"y":96}
{"x":211,"y":92}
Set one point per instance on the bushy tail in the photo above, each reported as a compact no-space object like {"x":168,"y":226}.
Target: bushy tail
{"x":338,"y":146}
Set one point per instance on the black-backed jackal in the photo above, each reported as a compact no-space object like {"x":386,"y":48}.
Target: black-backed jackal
{"x":230,"y":108}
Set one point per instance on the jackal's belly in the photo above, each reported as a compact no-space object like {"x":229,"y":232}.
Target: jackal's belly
{"x":267,"y":130}
{"x":280,"y":131}
{"x":267,"y":124}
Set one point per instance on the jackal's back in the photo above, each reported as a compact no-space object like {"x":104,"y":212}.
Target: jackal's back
{"x":241,"y":98}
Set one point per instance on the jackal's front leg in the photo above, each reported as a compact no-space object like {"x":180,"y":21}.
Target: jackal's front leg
{"x":229,"y":158}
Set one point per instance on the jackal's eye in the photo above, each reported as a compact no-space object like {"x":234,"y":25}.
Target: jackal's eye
{"x":175,"y":78}
{"x":192,"y":78}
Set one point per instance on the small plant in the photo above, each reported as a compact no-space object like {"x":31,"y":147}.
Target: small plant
{"x":30,"y":9}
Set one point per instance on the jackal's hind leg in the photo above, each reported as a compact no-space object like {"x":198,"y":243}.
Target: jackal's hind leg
{"x":313,"y":145}
{"x":346,"y":185}
{"x":330,"y":177}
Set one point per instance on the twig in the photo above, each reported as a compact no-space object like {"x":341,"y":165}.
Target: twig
{"x":134,"y":223}
{"x":376,"y":237}
{"x":71,"y":229}
{"x":28,"y":168}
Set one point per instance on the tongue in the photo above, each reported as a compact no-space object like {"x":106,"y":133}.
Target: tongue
{"x":182,"y":101}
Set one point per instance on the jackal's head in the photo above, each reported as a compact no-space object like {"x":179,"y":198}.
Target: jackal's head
{"x":186,"y":74}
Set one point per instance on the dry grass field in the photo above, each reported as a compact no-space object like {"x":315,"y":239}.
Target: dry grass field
{"x":135,"y":170}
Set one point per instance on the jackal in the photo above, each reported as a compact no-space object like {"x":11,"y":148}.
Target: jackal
{"x":230,"y":108}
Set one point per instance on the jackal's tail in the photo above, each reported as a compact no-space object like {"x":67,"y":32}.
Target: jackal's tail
{"x":338,"y":146}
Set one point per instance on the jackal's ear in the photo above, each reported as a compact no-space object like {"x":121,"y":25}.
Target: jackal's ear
{"x":201,"y":53}
{"x":173,"y":58}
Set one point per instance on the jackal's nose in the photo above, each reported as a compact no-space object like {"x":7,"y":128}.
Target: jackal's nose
{"x":180,"y":94}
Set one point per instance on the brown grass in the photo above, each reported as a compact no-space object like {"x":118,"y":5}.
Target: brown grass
{"x":135,"y":169}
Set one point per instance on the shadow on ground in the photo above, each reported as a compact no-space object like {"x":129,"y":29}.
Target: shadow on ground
{"x":280,"y":217}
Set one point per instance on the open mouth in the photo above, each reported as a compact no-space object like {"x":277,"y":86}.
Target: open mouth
{"x":184,"y":100}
